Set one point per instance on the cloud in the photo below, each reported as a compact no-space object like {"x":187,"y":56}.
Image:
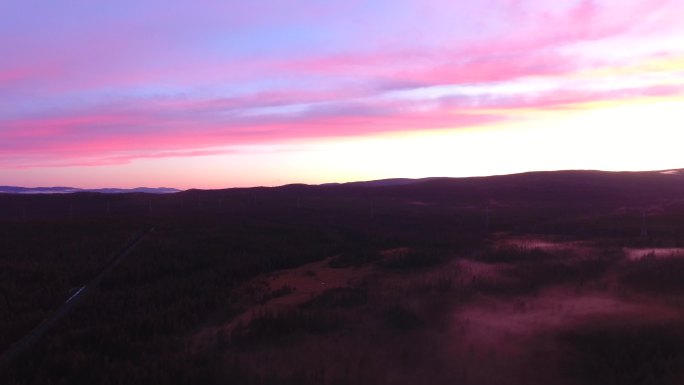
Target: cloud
{"x":152,"y":80}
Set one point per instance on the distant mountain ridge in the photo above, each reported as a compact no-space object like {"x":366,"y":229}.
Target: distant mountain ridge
{"x":392,"y":182}
{"x":69,"y":190}
{"x":522,"y":180}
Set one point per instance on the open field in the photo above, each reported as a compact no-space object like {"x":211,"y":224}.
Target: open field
{"x":563,"y":278}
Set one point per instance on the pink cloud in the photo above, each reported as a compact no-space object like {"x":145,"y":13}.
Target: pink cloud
{"x":141,"y":134}
{"x":532,"y":47}
{"x":310,"y":94}
{"x":9,"y":75}
{"x":561,"y":99}
{"x":175,"y":127}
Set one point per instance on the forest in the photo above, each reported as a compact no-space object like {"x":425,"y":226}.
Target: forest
{"x":537,"y":278}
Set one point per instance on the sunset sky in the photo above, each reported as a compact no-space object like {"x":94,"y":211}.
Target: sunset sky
{"x":224,"y":93}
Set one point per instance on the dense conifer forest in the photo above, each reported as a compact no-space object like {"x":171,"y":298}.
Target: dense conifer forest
{"x":568,"y":278}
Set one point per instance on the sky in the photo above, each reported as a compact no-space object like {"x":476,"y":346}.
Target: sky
{"x":230,"y":93}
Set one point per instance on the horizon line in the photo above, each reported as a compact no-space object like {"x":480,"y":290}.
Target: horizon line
{"x":91,"y":189}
